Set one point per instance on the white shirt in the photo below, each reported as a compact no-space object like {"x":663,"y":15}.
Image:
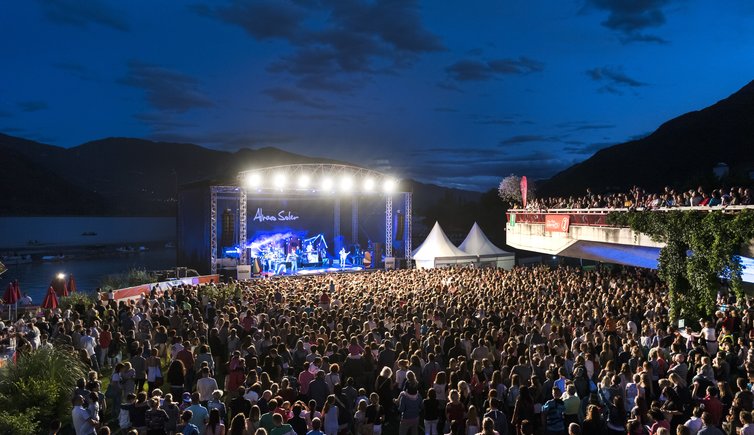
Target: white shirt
{"x":80,"y":417}
{"x":694,"y":424}
{"x":205,"y":387}
{"x":88,"y":343}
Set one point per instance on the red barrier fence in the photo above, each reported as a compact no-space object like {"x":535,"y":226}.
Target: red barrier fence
{"x":137,"y":291}
{"x":594,"y":220}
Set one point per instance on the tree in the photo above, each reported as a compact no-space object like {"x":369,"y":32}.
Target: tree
{"x":510,"y":190}
{"x":700,"y":248}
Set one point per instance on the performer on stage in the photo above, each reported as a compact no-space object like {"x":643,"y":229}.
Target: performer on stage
{"x":293,"y":259}
{"x":343,"y":256}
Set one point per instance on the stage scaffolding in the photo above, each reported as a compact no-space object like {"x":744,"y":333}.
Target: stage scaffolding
{"x":358,"y":175}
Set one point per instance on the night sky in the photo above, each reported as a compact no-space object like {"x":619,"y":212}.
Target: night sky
{"x":456,"y":93}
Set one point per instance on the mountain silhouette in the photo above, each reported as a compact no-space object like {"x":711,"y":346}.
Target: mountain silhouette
{"x":680,"y":153}
{"x":135,"y":177}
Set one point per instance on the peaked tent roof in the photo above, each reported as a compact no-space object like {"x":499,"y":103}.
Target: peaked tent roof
{"x":436,"y":245}
{"x":477,"y":243}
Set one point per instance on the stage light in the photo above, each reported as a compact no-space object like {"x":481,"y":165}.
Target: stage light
{"x":279,"y":180}
{"x":327,"y":184}
{"x":369,"y":184}
{"x":346,"y":183}
{"x":303,"y":181}
{"x":61,"y":275}
{"x":252,"y":180}
{"x":389,"y":186}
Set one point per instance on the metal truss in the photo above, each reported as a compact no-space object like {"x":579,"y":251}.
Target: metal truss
{"x":215,"y":193}
{"x":407,"y":226}
{"x":388,"y":226}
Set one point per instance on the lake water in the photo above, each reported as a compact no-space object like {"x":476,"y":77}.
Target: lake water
{"x":51,"y":232}
{"x":34,"y":278}
{"x":51,"y":235}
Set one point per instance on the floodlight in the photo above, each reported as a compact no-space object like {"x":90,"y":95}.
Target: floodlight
{"x":369,"y":184}
{"x":303,"y":181}
{"x":61,"y":275}
{"x":389,"y":185}
{"x":346,"y":183}
{"x":280,"y":180}
{"x":252,"y":180}
{"x":327,"y":184}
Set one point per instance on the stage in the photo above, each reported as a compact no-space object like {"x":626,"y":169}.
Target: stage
{"x":317,"y":270}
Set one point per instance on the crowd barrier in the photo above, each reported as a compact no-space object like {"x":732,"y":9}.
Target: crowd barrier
{"x":137,"y":291}
{"x":597,"y":217}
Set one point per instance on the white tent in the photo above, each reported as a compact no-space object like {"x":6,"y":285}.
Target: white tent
{"x":437,"y":245}
{"x":477,"y":243}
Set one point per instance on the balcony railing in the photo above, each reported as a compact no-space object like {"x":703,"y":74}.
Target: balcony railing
{"x":597,"y":217}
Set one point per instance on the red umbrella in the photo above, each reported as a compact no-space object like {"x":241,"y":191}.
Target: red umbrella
{"x":51,"y":300}
{"x":72,"y":284}
{"x":17,"y":289}
{"x":58,"y":283}
{"x":11,"y":294}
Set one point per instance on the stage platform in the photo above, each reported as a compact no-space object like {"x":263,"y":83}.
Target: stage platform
{"x":318,"y":270}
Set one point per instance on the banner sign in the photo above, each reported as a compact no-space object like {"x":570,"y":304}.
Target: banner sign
{"x":281,"y":215}
{"x":524,"y":188}
{"x":557,"y":222}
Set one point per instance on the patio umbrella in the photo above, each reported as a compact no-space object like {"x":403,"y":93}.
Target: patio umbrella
{"x":50,"y":301}
{"x":58,"y":283}
{"x":65,"y":290}
{"x":10,"y":297}
{"x":71,"y":284}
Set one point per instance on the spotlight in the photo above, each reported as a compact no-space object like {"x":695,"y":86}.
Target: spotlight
{"x":279,"y":180}
{"x":327,"y":184}
{"x":303,"y":181}
{"x":61,"y":275}
{"x":369,"y":184}
{"x":389,"y":185}
{"x":252,"y":180}
{"x":346,"y":183}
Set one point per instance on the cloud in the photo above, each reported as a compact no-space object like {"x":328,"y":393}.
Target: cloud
{"x":80,"y":13}
{"x":614,"y":79}
{"x":528,"y":138}
{"x":446,"y":110}
{"x":261,"y":19}
{"x":290,"y":95}
{"x":337,"y":45}
{"x":5,"y":114}
{"x":583,"y":126}
{"x":479,"y":70}
{"x":587,"y":149}
{"x":32,"y":106}
{"x":631,"y":17}
{"x":166,"y":89}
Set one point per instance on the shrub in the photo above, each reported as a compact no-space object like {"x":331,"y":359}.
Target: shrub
{"x":131,"y":278}
{"x":75,"y":300}
{"x":39,"y":384}
{"x":20,"y":422}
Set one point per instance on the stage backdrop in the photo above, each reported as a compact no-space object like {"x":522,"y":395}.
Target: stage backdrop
{"x":305,"y":217}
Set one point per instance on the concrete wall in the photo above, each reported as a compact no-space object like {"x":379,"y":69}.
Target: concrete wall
{"x":533,"y":237}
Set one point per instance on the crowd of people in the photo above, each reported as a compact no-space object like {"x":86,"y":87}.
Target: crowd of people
{"x":463,"y":351}
{"x":638,"y":198}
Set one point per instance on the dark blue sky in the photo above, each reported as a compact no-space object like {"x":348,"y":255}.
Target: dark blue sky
{"x":456,"y":93}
